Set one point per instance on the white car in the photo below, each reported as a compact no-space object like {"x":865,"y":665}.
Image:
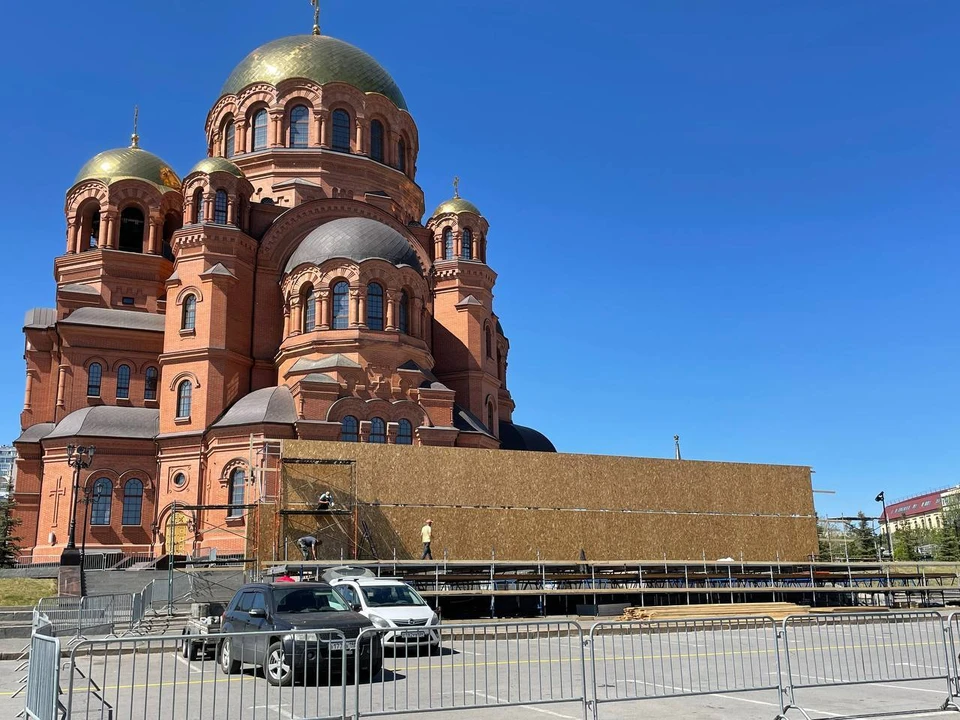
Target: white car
{"x":390,"y":603}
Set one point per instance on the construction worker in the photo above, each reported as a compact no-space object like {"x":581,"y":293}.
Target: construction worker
{"x":325,"y":501}
{"x":426,"y":533}
{"x":308,"y":546}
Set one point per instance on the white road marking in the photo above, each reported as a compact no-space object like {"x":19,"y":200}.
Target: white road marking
{"x":525,"y":707}
{"x":183,"y":661}
{"x":278,"y":710}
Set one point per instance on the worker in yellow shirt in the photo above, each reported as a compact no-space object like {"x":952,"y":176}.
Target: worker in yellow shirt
{"x":426,"y":532}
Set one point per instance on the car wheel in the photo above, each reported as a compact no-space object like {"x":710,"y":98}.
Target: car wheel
{"x":228,"y":665}
{"x":185,"y":645}
{"x":277,"y":667}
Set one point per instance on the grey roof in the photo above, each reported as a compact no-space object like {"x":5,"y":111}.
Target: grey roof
{"x":35,"y":433}
{"x":174,"y":276}
{"x":125,"y":319}
{"x":218,"y":269}
{"x":79,"y":288}
{"x":466,"y":421}
{"x":319,"y":378}
{"x":519,"y":437}
{"x":355,"y":239}
{"x":331,"y":361}
{"x":267,"y":405}
{"x":469,"y":300}
{"x":108,"y":421}
{"x":433,"y":385}
{"x":40,"y":318}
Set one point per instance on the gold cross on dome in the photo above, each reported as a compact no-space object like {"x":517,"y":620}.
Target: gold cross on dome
{"x":316,"y":16}
{"x":135,"y":139}
{"x":456,"y":186}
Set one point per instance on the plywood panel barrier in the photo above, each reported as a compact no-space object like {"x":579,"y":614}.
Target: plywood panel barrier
{"x":519,"y":504}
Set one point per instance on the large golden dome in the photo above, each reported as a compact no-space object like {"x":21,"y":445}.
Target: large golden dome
{"x":130,"y":162}
{"x":319,"y":58}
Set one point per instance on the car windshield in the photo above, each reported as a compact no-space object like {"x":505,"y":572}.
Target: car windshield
{"x":389,"y":595}
{"x":308,"y":600}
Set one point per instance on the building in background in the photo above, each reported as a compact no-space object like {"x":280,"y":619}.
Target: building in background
{"x":8,"y":470}
{"x":921,"y":512}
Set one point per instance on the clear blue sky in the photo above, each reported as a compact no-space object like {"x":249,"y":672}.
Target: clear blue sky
{"x":736,"y":221}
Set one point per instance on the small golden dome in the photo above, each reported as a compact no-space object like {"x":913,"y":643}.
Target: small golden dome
{"x":319,"y":58}
{"x":456,"y":205}
{"x":211,"y":165}
{"x":130,"y":162}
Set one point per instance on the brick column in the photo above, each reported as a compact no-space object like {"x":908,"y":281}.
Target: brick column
{"x":323,"y":322}
{"x":392,"y":301}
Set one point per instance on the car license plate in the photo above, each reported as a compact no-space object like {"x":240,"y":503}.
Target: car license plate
{"x":338,"y":645}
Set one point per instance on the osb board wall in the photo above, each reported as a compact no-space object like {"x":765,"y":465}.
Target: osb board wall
{"x":614,"y":508}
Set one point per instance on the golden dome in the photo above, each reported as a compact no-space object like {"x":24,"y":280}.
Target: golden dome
{"x":319,"y":58}
{"x":211,"y":165}
{"x":456,"y":205}
{"x":130,"y":162}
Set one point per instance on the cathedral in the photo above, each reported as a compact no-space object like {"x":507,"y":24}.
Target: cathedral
{"x":289,"y":286}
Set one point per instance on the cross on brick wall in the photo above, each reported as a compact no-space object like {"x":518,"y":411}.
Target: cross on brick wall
{"x":56,"y":493}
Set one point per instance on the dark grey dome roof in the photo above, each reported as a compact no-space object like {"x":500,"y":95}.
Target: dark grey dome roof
{"x":356,"y":239}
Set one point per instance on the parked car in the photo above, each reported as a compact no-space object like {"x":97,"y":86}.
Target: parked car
{"x":390,"y":603}
{"x":287,"y":609}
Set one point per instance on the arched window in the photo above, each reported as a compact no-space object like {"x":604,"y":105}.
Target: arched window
{"x":184,"y":398}
{"x":341,"y":306}
{"x":350,"y":429}
{"x":467,"y":250}
{"x":341,"y":130}
{"x":150,"y":384}
{"x":198,"y":205}
{"x":238,"y":482}
{"x":123,"y":382}
{"x":374,"y":306}
{"x":94,"y":376}
{"x":220,"y":207}
{"x":489,"y":339}
{"x":90,"y":228}
{"x":403,"y":321}
{"x":102,"y":499}
{"x":132,"y":502}
{"x":447,"y":244}
{"x":378,"y":431}
{"x":131,"y":230}
{"x":490,"y":418}
{"x":376,"y":140}
{"x":500,"y":373}
{"x":401,"y":156}
{"x":171,"y":224}
{"x":405,"y":433}
{"x":229,"y":139}
{"x":260,"y":130}
{"x":188,"y":318}
{"x":309,"y":310}
{"x":299,"y":126}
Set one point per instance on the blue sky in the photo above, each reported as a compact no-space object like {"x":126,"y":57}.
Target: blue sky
{"x":733,"y":221}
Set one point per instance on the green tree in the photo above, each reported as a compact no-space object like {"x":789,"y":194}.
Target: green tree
{"x":9,"y":540}
{"x":949,"y":546}
{"x":864,"y":539}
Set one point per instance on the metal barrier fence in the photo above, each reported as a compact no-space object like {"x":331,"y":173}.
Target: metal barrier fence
{"x":152,"y":677}
{"x":73,"y":616}
{"x":43,"y":679}
{"x":478,"y":666}
{"x":498,"y":665}
{"x":674,"y":658}
{"x":866,"y":648}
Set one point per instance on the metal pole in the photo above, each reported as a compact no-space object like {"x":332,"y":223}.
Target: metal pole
{"x":72,"y":532}
{"x":886,"y":525}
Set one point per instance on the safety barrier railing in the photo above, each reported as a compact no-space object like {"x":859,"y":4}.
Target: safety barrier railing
{"x":304,"y":676}
{"x":73,"y":616}
{"x":43,"y":680}
{"x":468,"y":667}
{"x":662,"y":659}
{"x":823,"y":651}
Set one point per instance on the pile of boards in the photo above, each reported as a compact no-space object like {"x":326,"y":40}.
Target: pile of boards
{"x":775,"y":610}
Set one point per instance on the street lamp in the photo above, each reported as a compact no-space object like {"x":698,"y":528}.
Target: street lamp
{"x":886,"y":523}
{"x":79,"y":457}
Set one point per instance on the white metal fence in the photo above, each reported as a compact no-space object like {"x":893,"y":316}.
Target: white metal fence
{"x":492,"y":666}
{"x":74,"y":617}
{"x":43,"y":679}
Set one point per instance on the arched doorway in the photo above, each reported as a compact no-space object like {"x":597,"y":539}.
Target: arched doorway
{"x":176,"y":533}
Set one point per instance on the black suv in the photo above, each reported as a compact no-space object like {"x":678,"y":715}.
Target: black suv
{"x":292,"y":611}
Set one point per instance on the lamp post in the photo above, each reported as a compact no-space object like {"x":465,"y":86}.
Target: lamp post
{"x":79,"y":457}
{"x":886,"y":523}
